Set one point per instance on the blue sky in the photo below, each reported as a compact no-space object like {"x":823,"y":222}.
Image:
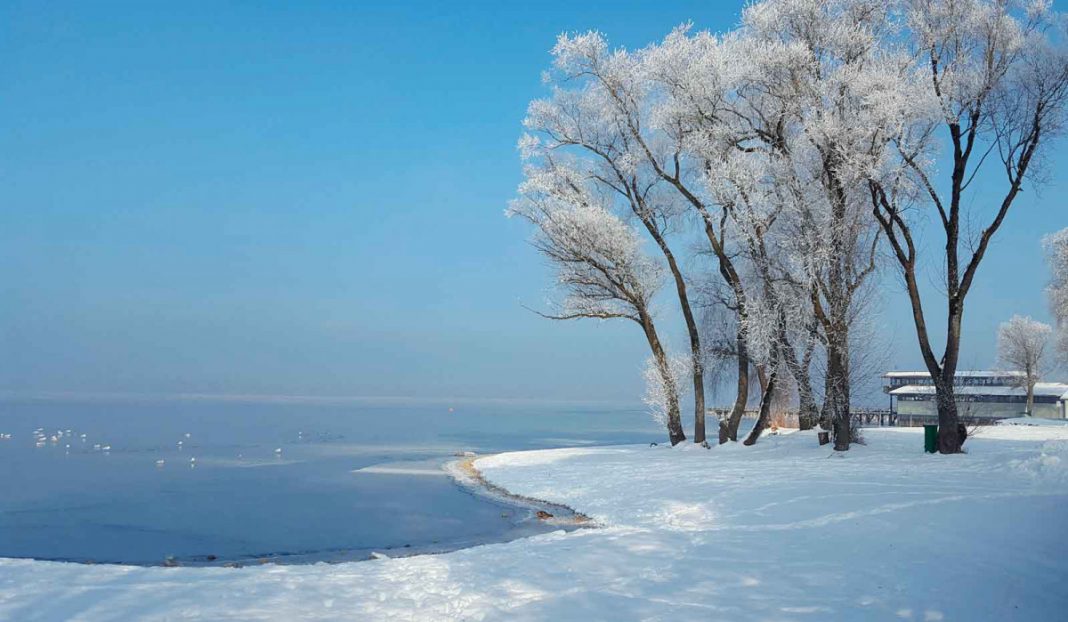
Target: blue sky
{"x":308,"y":199}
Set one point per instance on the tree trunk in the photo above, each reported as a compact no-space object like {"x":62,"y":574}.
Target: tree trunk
{"x":1030,"y":398}
{"x":769,"y":380}
{"x":838,"y":396}
{"x":807,"y":411}
{"x":949,"y":441}
{"x":765,"y":407}
{"x":741,"y":399}
{"x":825,"y":410}
{"x":691,"y":329}
{"x":698,"y":403}
{"x":762,"y":378}
{"x":674,"y":421}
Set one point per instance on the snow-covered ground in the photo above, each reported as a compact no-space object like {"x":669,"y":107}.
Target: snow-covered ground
{"x":1033,"y":421}
{"x":785,"y":530}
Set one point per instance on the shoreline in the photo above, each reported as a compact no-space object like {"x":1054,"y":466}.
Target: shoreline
{"x":467,"y":476}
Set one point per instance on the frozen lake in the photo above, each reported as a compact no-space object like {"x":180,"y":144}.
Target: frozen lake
{"x":351,"y":476}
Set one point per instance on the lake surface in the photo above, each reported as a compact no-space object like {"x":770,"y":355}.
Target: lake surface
{"x":208,"y":481}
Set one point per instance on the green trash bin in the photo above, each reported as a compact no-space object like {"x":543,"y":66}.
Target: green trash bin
{"x":930,"y":438}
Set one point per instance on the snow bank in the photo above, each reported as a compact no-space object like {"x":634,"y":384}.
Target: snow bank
{"x":784,"y":530}
{"x":1034,"y":421}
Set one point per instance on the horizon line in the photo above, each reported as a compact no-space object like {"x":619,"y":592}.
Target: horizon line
{"x":283,"y":398}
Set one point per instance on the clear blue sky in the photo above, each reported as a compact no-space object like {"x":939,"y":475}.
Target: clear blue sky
{"x":307,"y":199}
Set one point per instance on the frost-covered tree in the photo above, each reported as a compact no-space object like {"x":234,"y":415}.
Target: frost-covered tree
{"x":789,"y":116}
{"x":690,"y":78}
{"x":601,"y":113}
{"x":599,"y":263}
{"x":597,"y":114}
{"x":1056,"y":246}
{"x":662,"y":385}
{"x":1022,"y":347}
{"x":835,"y":92}
{"x":993,"y":79}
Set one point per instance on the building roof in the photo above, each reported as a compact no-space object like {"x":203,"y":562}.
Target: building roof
{"x":960,"y":374}
{"x":1046,"y":389}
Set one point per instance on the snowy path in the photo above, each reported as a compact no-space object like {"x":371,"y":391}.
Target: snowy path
{"x":781,"y":531}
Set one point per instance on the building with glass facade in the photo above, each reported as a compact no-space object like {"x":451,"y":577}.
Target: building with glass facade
{"x":979,"y":395}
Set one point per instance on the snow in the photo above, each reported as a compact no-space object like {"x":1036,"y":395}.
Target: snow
{"x":784,"y":530}
{"x":1032,"y":421}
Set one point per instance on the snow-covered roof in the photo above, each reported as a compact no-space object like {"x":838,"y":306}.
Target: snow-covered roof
{"x":1047,"y":389}
{"x":960,"y":374}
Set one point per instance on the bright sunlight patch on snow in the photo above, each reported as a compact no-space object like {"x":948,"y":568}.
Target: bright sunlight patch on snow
{"x":784,"y":530}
